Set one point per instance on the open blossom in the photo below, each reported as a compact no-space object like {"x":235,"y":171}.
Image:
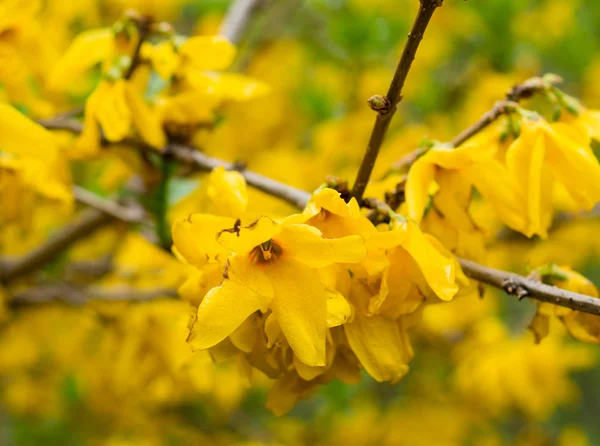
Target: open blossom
{"x":269,"y":266}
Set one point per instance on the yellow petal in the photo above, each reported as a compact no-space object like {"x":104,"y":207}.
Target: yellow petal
{"x":87,"y":49}
{"x":494,"y":182}
{"x":196,"y":238}
{"x":21,"y":136}
{"x":164,"y":59}
{"x":246,"y":334}
{"x":208,"y":52}
{"x":576,"y":167}
{"x":381,"y":346}
{"x":200,"y":282}
{"x":245,"y":238}
{"x":338,"y":309}
{"x":438,"y":270}
{"x":242,"y":270}
{"x":88,"y":142}
{"x":228,"y":191}
{"x":539,"y":326}
{"x":112,"y":111}
{"x":306,"y":244}
{"x":272,"y":330}
{"x":145,"y":119}
{"x":418,"y":180}
{"x":300,"y":305}
{"x":328,"y":199}
{"x":525,"y":161}
{"x":227,"y":86}
{"x":222,"y":311}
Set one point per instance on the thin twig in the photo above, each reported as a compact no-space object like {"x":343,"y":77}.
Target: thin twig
{"x":61,"y":291}
{"x":144,"y":24}
{"x":238,"y":18}
{"x":103,"y":212}
{"x":386,"y":106}
{"x":500,"y":108}
{"x":128,"y":214}
{"x":521,"y":287}
{"x":86,"y":224}
{"x":188,"y":155}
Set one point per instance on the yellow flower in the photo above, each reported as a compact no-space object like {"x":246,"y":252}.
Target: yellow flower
{"x":379,"y":342}
{"x":584,"y":327}
{"x":37,"y":151}
{"x":115,"y":106}
{"x":273,"y":266}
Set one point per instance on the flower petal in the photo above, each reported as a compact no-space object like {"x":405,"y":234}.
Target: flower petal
{"x":243,"y":271}
{"x":228,"y":191}
{"x":338,"y":309}
{"x":381,"y":346}
{"x":222,"y":311}
{"x":438,"y":270}
{"x":306,"y":244}
{"x":208,"y":52}
{"x":196,"y":237}
{"x":87,"y":49}
{"x":300,"y":306}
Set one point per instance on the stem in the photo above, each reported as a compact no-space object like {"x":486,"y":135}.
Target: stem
{"x":500,"y":108}
{"x":143,"y":26}
{"x":188,"y":155}
{"x":90,"y":221}
{"x":525,"y":287}
{"x":394,"y":95}
{"x":238,"y":18}
{"x":162,"y":204}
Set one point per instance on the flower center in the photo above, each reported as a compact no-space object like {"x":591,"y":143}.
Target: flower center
{"x":265,"y":252}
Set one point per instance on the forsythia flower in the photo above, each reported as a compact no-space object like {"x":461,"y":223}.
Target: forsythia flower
{"x":518,"y":183}
{"x":582,"y":326}
{"x":33,"y":152}
{"x":272,"y":266}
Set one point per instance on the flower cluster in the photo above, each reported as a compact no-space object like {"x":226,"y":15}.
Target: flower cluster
{"x":310,"y":297}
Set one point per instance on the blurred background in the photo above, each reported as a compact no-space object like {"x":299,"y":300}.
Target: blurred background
{"x":117,"y":373}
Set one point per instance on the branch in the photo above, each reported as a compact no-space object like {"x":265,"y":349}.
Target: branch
{"x":86,"y":224}
{"x":525,"y":287}
{"x":60,"y":291}
{"x":104,"y":211}
{"x":238,"y":18}
{"x":143,"y":24}
{"x":386,"y":106}
{"x":188,"y":155}
{"x":129,"y":214}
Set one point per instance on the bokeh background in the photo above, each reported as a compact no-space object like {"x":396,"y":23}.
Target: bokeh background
{"x":111,"y":373}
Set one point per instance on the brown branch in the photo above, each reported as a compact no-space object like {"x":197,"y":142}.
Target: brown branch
{"x":386,"y":106}
{"x":86,"y":224}
{"x":61,"y":291}
{"x":188,"y":155}
{"x":144,"y":26}
{"x":238,"y":18}
{"x":521,"y":287}
{"x":500,"y":108}
{"x":129,"y":214}
{"x":104,"y":211}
